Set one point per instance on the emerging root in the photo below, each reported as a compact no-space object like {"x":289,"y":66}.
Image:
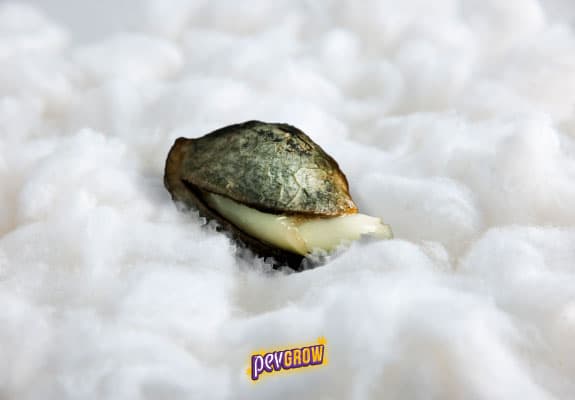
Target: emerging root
{"x":301,"y":235}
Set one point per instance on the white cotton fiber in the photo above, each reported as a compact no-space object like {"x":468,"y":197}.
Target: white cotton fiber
{"x":452,"y":119}
{"x":529,"y":272}
{"x":436,"y":209}
{"x":129,"y":56}
{"x":552,"y":63}
{"x":501,"y":25}
{"x":26,"y":336}
{"x":26,"y":31}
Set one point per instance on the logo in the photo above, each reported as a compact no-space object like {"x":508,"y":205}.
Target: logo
{"x":291,"y":359}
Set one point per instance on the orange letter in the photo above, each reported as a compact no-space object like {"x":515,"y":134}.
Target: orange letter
{"x":305,"y":356}
{"x":296,"y":357}
{"x":287,"y":359}
{"x":317,"y":354}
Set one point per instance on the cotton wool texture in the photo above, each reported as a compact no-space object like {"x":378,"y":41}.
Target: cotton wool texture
{"x":452,"y":119}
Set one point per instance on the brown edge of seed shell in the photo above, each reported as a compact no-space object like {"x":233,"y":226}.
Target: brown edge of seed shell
{"x":184,"y":193}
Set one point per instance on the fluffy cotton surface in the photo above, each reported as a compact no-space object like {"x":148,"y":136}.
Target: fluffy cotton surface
{"x":453,"y":120}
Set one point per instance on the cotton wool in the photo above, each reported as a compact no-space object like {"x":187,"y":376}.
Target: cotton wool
{"x":453,"y":121}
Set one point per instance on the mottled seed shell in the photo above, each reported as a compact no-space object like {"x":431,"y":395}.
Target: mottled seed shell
{"x":274,"y":168}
